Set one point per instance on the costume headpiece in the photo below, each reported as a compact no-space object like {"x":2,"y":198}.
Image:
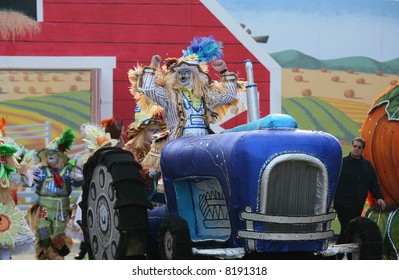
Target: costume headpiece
{"x":61,"y":145}
{"x":5,"y":175}
{"x":14,"y":156}
{"x":113,"y":127}
{"x":96,"y":137}
{"x":7,"y":149}
{"x":143,"y":118}
{"x":7,"y":163}
{"x":201,"y":51}
{"x":2,"y":125}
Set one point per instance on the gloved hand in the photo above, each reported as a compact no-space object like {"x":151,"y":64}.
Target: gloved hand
{"x":381,"y":204}
{"x":22,"y":169}
{"x":155,"y":61}
{"x":152,"y":172}
{"x":220,"y":66}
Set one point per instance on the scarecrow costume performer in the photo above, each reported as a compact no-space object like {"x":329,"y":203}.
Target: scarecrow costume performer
{"x":182,"y":87}
{"x":53,"y":182}
{"x":15,"y":234}
{"x":140,"y":132}
{"x":140,"y":136}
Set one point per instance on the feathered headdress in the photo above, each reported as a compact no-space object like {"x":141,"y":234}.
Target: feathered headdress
{"x":113,"y":127}
{"x":65,"y":142}
{"x":7,"y":163}
{"x":2,"y":125}
{"x":8,"y":149}
{"x":61,"y":145}
{"x":95,"y":136}
{"x":201,"y":51}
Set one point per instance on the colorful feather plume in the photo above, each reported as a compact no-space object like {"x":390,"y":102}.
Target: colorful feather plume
{"x":113,"y":127}
{"x":65,"y":142}
{"x":107,"y":122}
{"x":2,"y":125}
{"x":8,"y":149}
{"x":206,"y":49}
{"x":95,"y":136}
{"x":5,"y":174}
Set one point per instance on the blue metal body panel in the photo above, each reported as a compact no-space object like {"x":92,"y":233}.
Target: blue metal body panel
{"x":236,"y":160}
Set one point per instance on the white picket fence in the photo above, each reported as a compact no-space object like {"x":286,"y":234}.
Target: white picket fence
{"x":31,"y":131}
{"x":38,"y":131}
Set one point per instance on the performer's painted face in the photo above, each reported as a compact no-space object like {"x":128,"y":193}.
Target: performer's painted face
{"x":52,"y":158}
{"x":149,"y":132}
{"x":184,"y":77}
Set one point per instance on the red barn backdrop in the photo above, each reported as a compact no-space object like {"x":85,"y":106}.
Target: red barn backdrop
{"x":131,"y":31}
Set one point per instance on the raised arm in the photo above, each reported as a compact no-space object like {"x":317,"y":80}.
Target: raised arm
{"x":148,"y":86}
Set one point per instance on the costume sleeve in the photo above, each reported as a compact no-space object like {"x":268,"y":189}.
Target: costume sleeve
{"x":151,"y":90}
{"x":77,"y":174}
{"x":39,"y":175}
{"x":230,"y":83}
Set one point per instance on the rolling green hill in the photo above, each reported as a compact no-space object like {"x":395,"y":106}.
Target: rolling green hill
{"x":315,"y":114}
{"x":292,"y":58}
{"x":69,"y":108}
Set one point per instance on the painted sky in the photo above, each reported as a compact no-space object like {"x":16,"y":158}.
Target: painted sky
{"x":324,"y":29}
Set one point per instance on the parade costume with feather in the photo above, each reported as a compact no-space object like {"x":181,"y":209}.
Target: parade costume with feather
{"x":140,"y":134}
{"x":188,"y":110}
{"x":137,"y":143}
{"x":53,"y":184}
{"x":15,"y":235}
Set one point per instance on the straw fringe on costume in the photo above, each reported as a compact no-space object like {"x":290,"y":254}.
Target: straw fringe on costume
{"x":202,"y":89}
{"x":169,"y":80}
{"x":153,"y":157}
{"x":33,"y":216}
{"x":5,"y":195}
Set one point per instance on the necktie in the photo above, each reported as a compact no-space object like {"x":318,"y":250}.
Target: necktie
{"x":59,"y":183}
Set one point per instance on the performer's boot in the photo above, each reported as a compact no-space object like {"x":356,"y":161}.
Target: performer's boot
{"x":83,"y":251}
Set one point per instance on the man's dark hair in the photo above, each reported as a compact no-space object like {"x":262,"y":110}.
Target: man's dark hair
{"x":361,"y":140}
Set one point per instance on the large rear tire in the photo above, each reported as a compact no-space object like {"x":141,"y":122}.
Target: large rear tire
{"x":366,"y":233}
{"x":114,"y":193}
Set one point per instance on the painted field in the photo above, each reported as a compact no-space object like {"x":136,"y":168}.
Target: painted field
{"x":333,"y":101}
{"x":68,"y":109}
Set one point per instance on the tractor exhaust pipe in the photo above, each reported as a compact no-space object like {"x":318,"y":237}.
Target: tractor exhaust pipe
{"x":252,"y":93}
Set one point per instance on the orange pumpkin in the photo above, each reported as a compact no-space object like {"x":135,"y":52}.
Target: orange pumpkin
{"x":381,"y":133}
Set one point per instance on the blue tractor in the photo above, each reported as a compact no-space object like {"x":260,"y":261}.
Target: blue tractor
{"x":248,"y":190}
{"x":256,"y":190}
{"x":262,"y":188}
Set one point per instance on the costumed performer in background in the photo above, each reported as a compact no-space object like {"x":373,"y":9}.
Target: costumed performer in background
{"x":140,"y":135}
{"x":115,"y":129}
{"x":95,"y":137}
{"x":53,"y":181}
{"x":15,"y":235}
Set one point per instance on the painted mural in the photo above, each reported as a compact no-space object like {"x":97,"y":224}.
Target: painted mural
{"x":36,"y":102}
{"x":336,"y":56}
